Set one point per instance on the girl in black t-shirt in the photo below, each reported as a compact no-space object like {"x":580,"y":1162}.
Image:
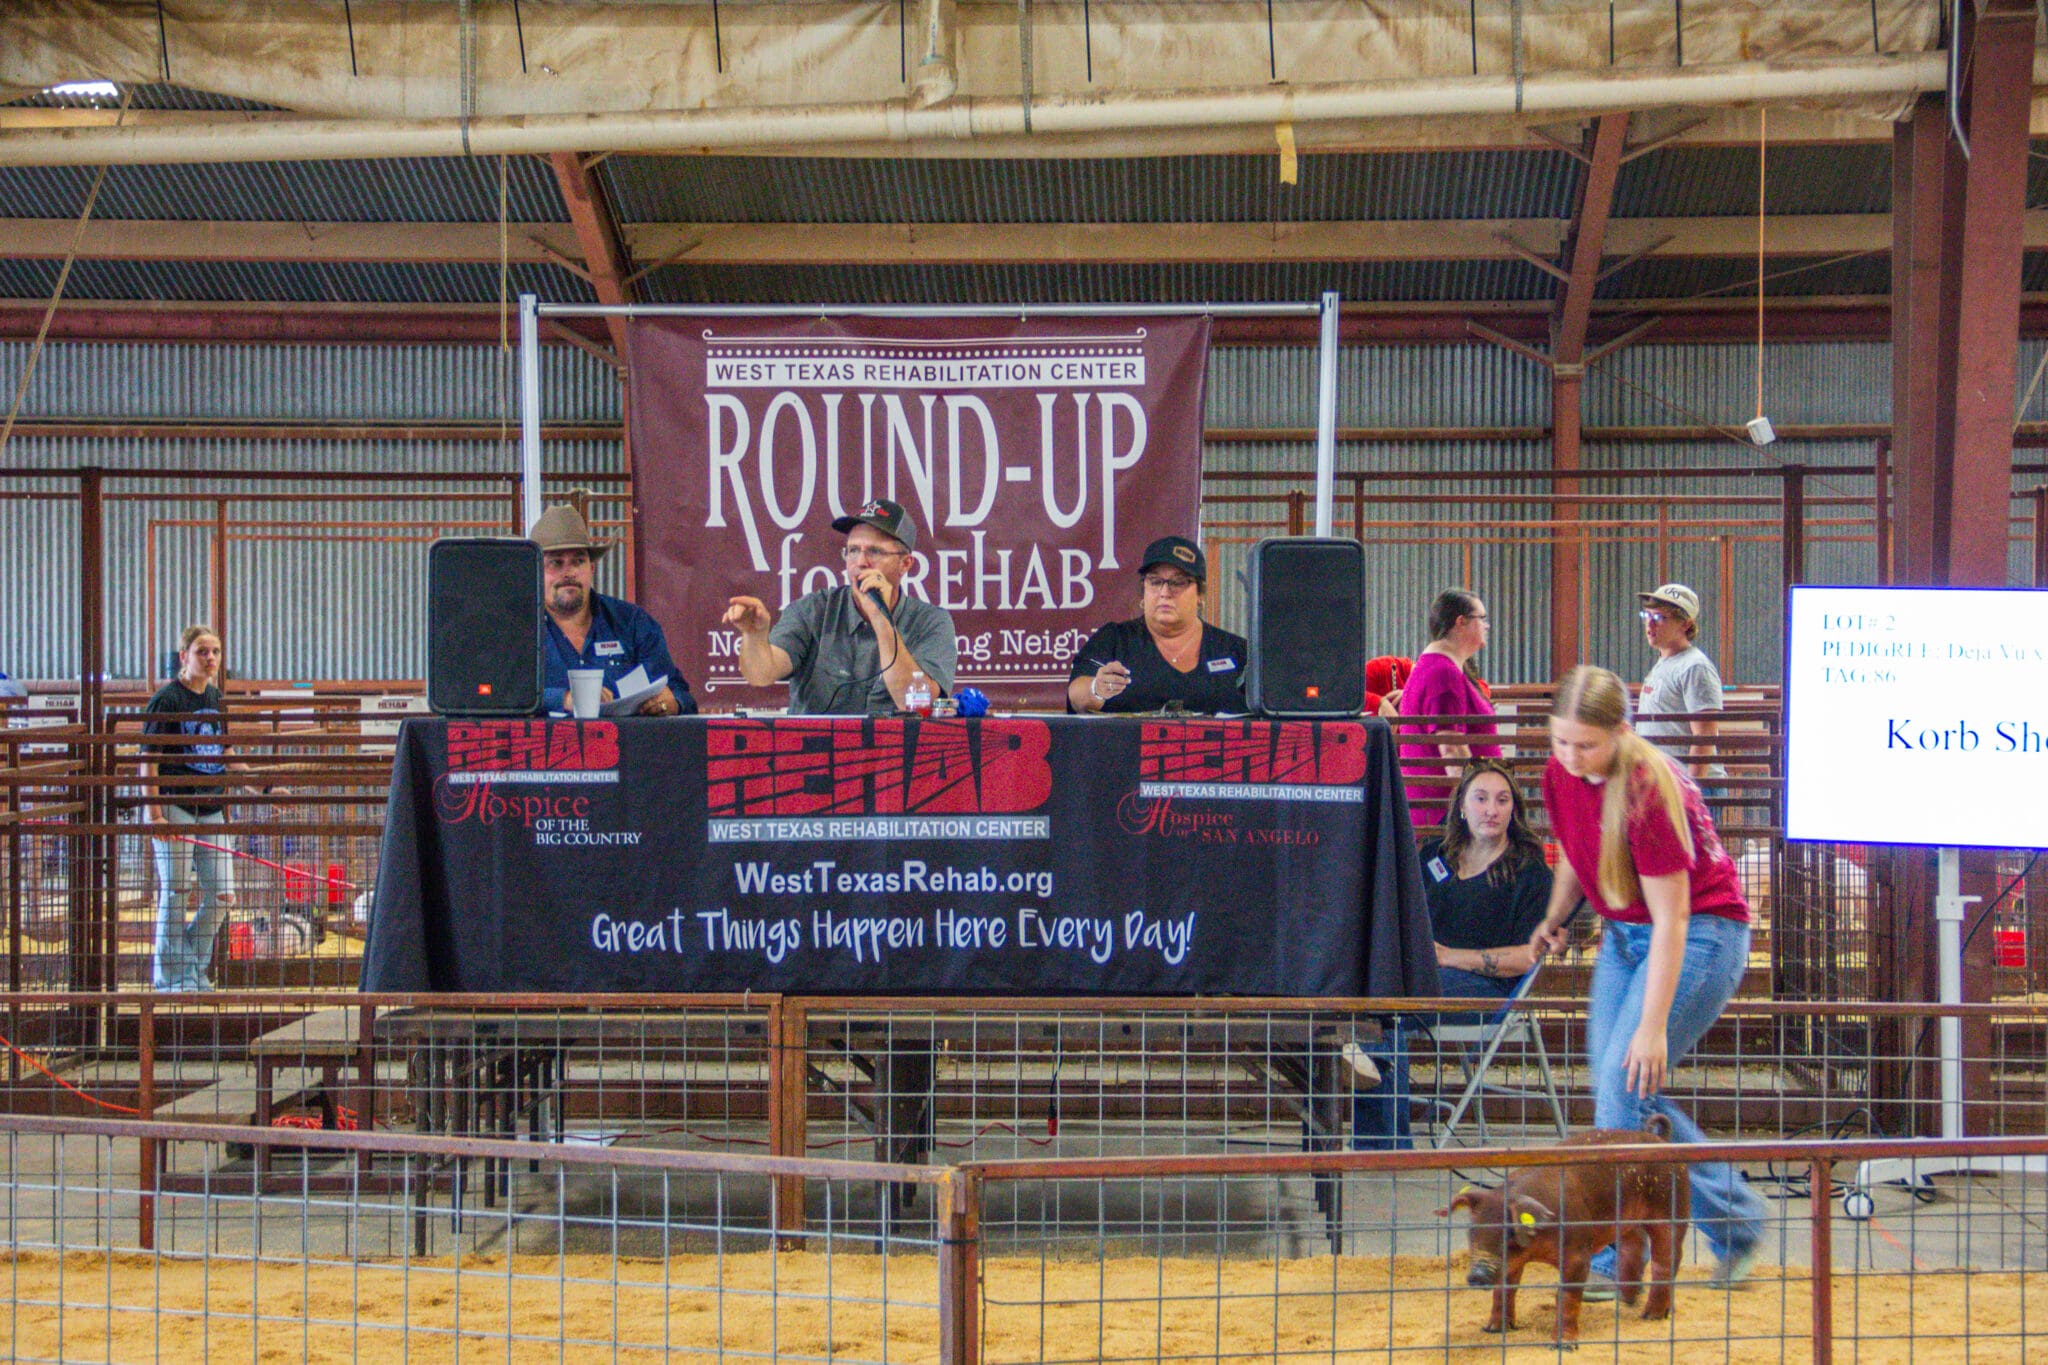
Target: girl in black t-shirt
{"x":189,"y":705}
{"x":1488,"y":889}
{"x":1488,"y":886}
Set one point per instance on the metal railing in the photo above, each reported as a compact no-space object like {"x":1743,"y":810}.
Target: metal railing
{"x":604,"y":1250}
{"x":81,"y":887}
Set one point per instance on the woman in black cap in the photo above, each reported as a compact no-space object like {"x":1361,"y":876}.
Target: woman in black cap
{"x":1166,"y":653}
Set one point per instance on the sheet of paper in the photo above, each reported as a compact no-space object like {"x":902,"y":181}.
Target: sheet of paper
{"x":633,"y":689}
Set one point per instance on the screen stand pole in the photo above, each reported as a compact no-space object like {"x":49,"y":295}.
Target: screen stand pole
{"x":1950,"y":907}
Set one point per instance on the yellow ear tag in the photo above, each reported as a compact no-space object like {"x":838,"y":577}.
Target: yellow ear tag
{"x":1528,"y":1220}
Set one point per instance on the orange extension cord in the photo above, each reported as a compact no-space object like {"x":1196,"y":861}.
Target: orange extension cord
{"x":89,"y":1099}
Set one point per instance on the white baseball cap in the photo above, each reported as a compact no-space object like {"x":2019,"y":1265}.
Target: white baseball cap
{"x":1675,"y":595}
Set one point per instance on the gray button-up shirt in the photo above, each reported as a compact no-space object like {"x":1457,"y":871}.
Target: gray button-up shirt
{"x":835,"y":667}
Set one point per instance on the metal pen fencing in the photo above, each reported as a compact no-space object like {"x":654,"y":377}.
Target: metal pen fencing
{"x":82,"y":879}
{"x":939,"y":1081}
{"x":1277,"y":1195}
{"x":630,"y":1253}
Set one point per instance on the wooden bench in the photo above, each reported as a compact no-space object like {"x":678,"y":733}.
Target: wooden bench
{"x":229,"y":1098}
{"x":320,"y":1044}
{"x":297,"y":1063}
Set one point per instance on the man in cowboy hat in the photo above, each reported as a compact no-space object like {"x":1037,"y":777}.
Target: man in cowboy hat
{"x":587,"y":629}
{"x":1684,"y":679}
{"x":852,"y":648}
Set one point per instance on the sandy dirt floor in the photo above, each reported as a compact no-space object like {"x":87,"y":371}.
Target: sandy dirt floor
{"x":141,"y":1308}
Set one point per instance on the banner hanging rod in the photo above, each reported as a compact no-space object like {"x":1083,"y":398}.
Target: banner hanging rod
{"x":935,"y":310}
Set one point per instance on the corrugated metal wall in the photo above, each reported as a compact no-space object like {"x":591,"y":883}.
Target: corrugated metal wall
{"x":303,"y":602}
{"x":348,"y":607}
{"x":1480,"y":385}
{"x":321,"y":584}
{"x":134,"y":380}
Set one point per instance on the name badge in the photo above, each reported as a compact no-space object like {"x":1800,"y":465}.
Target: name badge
{"x":1222,"y":665}
{"x":609,"y":648}
{"x":1438,"y":870}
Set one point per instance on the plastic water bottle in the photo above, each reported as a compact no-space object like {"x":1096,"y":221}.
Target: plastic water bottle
{"x":917,"y":697}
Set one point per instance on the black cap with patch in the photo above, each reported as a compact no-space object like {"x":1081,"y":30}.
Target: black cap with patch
{"x":1179,"y":552}
{"x":890,"y":518}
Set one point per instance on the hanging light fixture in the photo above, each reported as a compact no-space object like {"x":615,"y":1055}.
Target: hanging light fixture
{"x":1759,"y":426}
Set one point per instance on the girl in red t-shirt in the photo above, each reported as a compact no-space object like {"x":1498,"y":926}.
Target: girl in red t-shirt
{"x":1640,"y":847}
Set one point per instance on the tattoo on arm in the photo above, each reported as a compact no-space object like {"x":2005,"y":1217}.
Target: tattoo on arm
{"x":1488,"y":963}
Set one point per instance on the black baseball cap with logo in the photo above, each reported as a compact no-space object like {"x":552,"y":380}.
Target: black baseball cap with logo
{"x":890,"y":518}
{"x":1179,"y":552}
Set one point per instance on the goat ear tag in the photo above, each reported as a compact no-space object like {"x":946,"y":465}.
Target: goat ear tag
{"x":1528,"y":1219}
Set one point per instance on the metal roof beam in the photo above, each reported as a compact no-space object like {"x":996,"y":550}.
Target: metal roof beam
{"x":607,"y":260}
{"x":1689,"y":320}
{"x":856,"y":244}
{"x":1587,"y":244}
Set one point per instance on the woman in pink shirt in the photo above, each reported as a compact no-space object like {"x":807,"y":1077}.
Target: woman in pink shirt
{"x":1445,"y":684}
{"x":1641,"y":849}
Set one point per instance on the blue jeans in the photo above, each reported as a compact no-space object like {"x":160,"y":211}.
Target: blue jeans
{"x":1724,"y":1208}
{"x":1379,"y":1117}
{"x":1456,"y":981}
{"x":184,"y":943}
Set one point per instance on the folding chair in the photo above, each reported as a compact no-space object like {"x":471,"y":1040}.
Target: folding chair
{"x":1487,"y":1037}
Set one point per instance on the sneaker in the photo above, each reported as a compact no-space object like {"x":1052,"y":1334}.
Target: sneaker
{"x":1599,"y":1287}
{"x":1356,"y":1058}
{"x":1735,"y":1268}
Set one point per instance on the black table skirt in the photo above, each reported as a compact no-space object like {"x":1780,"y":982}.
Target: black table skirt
{"x":1016,"y":855}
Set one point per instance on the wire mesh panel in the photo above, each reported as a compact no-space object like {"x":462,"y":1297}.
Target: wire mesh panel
{"x":1116,"y":1168}
{"x":1949,"y":1268}
{"x":615,"y":1255}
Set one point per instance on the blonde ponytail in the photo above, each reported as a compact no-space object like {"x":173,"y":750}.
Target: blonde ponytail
{"x":1596,"y":697}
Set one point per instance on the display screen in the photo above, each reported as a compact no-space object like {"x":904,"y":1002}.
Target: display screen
{"x":1917,"y":716}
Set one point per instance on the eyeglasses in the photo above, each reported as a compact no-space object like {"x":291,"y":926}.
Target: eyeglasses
{"x":1651,"y":616}
{"x":1475,"y":616}
{"x":1159,"y":582}
{"x":855,"y":553}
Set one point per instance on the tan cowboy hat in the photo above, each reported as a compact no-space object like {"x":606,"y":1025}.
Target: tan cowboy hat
{"x":562,"y":527}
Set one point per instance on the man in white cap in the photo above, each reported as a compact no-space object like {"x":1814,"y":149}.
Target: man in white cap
{"x":587,"y":629}
{"x":1683,"y":679}
{"x":850,"y":649}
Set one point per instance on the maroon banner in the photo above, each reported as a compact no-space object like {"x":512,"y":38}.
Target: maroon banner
{"x":1038,"y":457}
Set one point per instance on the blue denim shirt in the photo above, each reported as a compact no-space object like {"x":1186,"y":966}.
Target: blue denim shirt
{"x":621,"y":636}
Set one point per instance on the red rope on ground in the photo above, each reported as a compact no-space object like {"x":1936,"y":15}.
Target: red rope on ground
{"x":344,"y":1121}
{"x":89,"y":1099}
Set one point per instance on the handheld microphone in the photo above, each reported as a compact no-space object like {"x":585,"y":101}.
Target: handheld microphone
{"x":880,"y":601}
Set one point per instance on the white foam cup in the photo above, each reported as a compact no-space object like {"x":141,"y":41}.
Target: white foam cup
{"x":586,"y":689}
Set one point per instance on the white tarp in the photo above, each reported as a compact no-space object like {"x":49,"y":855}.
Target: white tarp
{"x":610,"y":56}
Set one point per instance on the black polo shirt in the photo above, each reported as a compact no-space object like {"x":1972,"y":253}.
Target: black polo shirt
{"x":1216,"y":684}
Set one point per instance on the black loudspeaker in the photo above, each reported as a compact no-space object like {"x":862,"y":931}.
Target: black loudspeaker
{"x":1307,"y":598}
{"x":484,"y":631}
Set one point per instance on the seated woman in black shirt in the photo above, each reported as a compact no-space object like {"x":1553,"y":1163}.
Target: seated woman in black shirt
{"x":1165,"y":654}
{"x":1488,"y":886}
{"x":1488,"y":890}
